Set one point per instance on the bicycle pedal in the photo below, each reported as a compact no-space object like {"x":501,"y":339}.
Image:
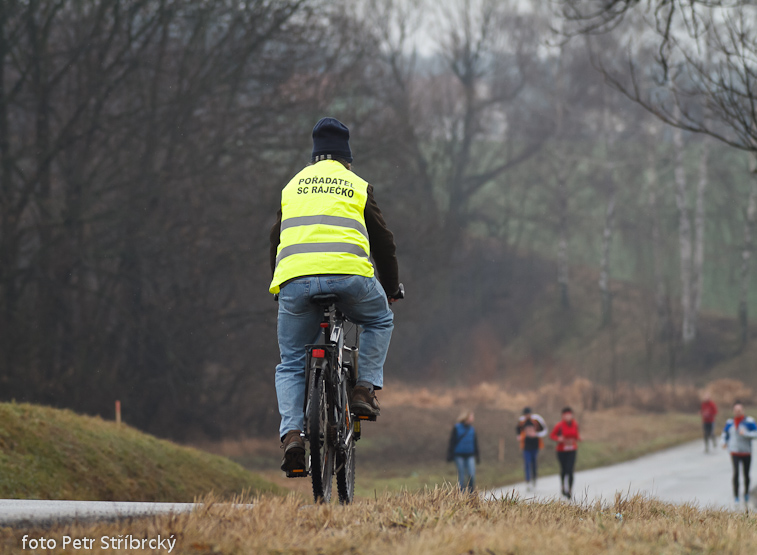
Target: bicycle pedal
{"x":297,"y":473}
{"x":368,"y":418}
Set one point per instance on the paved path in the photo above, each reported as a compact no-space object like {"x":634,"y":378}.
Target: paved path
{"x":683,"y":474}
{"x":23,"y":511}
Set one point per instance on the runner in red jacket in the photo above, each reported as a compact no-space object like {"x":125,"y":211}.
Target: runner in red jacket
{"x":566,"y":434}
{"x":708,"y":410}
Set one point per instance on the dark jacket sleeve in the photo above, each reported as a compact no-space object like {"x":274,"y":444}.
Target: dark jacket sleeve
{"x":452,"y":445}
{"x":475,"y":448}
{"x":275,"y":239}
{"x":383,"y":248}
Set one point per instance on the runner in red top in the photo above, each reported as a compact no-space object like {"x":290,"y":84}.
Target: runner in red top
{"x":708,"y":410}
{"x":566,"y":434}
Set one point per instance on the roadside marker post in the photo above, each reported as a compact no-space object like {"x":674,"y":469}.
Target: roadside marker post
{"x":118,"y":413}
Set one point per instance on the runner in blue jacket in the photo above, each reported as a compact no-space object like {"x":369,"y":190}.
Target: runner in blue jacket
{"x":463,"y":449}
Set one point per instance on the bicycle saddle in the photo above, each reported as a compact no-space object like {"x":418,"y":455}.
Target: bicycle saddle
{"x":325,"y":299}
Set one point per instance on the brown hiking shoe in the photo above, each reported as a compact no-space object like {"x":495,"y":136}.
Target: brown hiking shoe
{"x":294,"y":452}
{"x":364,"y":402}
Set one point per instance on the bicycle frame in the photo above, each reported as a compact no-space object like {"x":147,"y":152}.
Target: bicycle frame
{"x":339,"y":377}
{"x":329,"y":427}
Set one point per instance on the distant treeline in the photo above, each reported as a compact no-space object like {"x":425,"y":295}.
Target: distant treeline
{"x":143,"y":145}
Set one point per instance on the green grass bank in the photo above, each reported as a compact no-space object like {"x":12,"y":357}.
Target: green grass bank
{"x":47,"y":453}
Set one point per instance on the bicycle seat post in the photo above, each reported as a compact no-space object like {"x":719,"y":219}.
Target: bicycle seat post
{"x":327,"y":301}
{"x":326,"y":323}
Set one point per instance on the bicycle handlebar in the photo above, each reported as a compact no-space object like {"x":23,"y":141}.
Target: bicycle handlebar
{"x":400,"y":294}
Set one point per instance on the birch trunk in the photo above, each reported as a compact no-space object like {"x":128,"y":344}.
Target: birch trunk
{"x":697,"y":267}
{"x":604,"y":265}
{"x":604,"y":273}
{"x":688,"y":331}
{"x":562,"y":189}
{"x":746,"y":256}
{"x":653,"y":191}
{"x":562,"y":243}
{"x":697,"y":275}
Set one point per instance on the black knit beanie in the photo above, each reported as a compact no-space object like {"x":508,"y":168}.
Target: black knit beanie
{"x":331,"y":137}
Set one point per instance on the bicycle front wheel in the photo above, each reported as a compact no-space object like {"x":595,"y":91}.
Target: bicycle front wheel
{"x":322,"y":449}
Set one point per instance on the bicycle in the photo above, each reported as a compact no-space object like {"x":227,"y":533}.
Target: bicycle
{"x":331,"y":429}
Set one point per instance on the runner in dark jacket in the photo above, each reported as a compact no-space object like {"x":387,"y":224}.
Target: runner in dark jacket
{"x":531,"y":430}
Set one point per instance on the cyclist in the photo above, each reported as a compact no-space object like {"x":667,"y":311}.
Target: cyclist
{"x":328,"y":227}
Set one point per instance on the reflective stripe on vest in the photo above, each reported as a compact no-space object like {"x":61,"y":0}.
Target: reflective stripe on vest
{"x":323,"y":225}
{"x":320,"y":247}
{"x":328,"y":220}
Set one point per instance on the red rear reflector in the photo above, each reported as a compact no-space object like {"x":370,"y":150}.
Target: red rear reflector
{"x":324,"y":324}
{"x":318,"y":353}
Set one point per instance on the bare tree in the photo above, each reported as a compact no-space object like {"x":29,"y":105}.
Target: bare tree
{"x":690,"y":63}
{"x":139,"y":141}
{"x":454,"y":118}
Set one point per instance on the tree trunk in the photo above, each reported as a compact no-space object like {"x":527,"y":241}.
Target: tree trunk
{"x":562,"y":188}
{"x":7,"y":220}
{"x":604,"y":273}
{"x":562,"y":243}
{"x":47,"y":305}
{"x":746,"y":255}
{"x":604,"y":265}
{"x":697,"y":276}
{"x":662,"y":327}
{"x":688,"y":329}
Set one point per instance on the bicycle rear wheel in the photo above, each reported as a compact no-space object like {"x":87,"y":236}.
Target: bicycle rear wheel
{"x":345,"y":476}
{"x":322,"y":450}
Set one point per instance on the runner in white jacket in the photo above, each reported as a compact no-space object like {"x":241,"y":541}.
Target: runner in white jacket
{"x":737,"y":437}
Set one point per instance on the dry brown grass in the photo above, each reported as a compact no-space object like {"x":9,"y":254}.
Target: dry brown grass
{"x":439,"y":521}
{"x":581,"y":394}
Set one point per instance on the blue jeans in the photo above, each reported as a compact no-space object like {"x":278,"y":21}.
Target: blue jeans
{"x":529,"y":460}
{"x":466,"y":472}
{"x":362,"y":300}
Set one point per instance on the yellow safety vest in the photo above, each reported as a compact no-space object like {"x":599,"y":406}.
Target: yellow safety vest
{"x":323,"y":225}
